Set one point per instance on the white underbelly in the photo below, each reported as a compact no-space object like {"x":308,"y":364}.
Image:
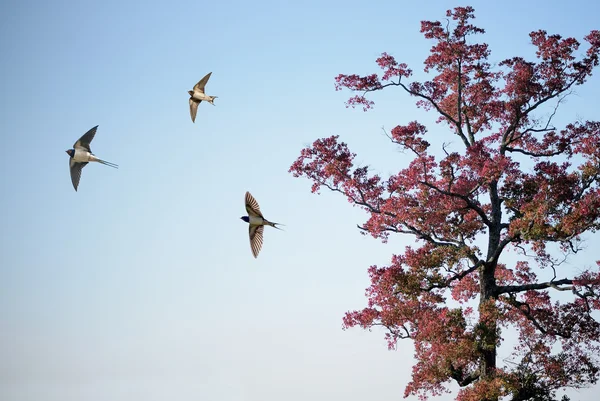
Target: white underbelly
{"x":81,"y":155}
{"x":256,"y":221}
{"x":201,"y":96}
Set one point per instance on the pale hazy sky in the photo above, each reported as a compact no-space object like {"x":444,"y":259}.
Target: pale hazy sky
{"x":142,"y":286}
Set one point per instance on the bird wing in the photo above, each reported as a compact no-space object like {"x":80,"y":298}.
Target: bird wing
{"x":194,"y":108}
{"x":84,"y":141}
{"x":252,"y":206}
{"x":256,"y":239}
{"x":202,"y":83}
{"x":76,"y":168}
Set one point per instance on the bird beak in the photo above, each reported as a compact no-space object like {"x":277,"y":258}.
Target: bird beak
{"x":66,"y":151}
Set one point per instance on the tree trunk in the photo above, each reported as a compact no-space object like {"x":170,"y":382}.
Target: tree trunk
{"x":488,"y":325}
{"x":487,"y":286}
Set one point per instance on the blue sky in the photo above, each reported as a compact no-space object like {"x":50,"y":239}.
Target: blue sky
{"x":141,"y":285}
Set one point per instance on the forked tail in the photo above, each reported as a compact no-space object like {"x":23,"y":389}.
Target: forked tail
{"x":113,"y":165}
{"x":274,"y":225}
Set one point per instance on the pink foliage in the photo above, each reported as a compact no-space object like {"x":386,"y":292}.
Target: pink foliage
{"x":481,"y":192}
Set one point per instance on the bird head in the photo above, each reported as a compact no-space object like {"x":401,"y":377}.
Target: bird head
{"x":245,"y":218}
{"x":70,"y":152}
{"x":191,"y":93}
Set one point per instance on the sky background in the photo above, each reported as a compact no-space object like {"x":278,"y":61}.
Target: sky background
{"x":141,"y":285}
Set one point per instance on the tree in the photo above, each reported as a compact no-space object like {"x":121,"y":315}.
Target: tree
{"x":516,"y":183}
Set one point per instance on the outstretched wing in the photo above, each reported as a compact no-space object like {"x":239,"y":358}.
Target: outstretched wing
{"x":194,"y":108}
{"x":76,"y":168}
{"x":202,"y":83}
{"x":84,"y":141}
{"x":256,"y":239}
{"x":252,"y":206}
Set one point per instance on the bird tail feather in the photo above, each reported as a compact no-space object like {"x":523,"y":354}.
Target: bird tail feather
{"x":274,"y":225}
{"x":113,"y":165}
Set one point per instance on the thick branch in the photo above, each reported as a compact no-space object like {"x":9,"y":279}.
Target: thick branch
{"x":459,"y":103}
{"x":507,"y":240}
{"x":461,"y":379}
{"x":469,"y":129}
{"x":536,"y":286}
{"x":534,"y":154}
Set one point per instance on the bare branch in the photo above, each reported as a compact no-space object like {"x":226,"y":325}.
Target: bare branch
{"x":405,"y":333}
{"x":534,"y":154}
{"x":439,"y":110}
{"x":526,"y":310}
{"x":535,"y":286}
{"x":520,"y":114}
{"x":469,"y":202}
{"x":444,"y":144}
{"x":457,"y":276}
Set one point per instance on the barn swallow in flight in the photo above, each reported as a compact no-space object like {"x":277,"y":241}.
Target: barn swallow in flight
{"x":257,"y":224}
{"x":81,"y":154}
{"x":197,"y":95}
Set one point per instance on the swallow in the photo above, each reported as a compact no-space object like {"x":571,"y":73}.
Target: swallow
{"x":81,"y":155}
{"x":257,"y":224}
{"x":197,"y":95}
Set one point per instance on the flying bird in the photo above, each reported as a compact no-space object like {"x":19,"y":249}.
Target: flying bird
{"x":81,"y":155}
{"x":197,"y":95}
{"x":257,"y":224}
